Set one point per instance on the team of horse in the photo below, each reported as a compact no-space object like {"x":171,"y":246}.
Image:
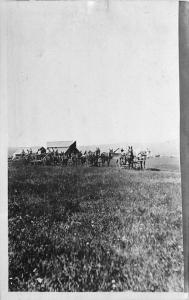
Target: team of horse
{"x":132,"y":161}
{"x":125,"y":158}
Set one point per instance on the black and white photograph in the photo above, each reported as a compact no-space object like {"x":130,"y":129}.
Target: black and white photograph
{"x":94,"y":176}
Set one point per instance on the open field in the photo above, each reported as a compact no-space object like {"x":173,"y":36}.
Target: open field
{"x":95,"y":229}
{"x":164,"y":163}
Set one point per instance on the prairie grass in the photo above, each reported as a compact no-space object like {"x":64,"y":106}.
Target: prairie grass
{"x":94,"y":229}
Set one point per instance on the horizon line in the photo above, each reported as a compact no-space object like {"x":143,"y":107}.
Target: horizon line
{"x":94,"y":144}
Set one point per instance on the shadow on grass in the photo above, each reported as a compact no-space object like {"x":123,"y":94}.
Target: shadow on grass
{"x":153,"y":169}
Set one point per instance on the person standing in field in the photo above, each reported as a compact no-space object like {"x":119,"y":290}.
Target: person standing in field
{"x":132,"y":157}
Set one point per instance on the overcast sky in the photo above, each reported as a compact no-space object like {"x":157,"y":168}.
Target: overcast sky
{"x":80,"y":71}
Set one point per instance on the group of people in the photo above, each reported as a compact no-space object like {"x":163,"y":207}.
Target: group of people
{"x":89,"y":158}
{"x":54,"y":157}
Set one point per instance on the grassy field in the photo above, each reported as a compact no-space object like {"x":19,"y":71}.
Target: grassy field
{"x":95,"y":229}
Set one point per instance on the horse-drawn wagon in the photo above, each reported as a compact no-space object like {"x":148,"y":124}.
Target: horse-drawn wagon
{"x":131,"y":161}
{"x":124,"y":159}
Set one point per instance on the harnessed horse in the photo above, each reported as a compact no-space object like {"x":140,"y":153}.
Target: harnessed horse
{"x":106,"y":157}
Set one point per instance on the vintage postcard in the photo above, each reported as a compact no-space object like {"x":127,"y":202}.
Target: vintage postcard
{"x":94,"y":176}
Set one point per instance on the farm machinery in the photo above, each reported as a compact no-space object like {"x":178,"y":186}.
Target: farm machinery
{"x":123,"y":159}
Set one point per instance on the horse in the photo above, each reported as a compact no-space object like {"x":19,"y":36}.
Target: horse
{"x":83,"y":159}
{"x":129,"y":156}
{"x":106,"y":157}
{"x":74,"y":159}
{"x":64,"y":160}
{"x":93,"y":158}
{"x":125,"y":158}
{"x":56,"y":159}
